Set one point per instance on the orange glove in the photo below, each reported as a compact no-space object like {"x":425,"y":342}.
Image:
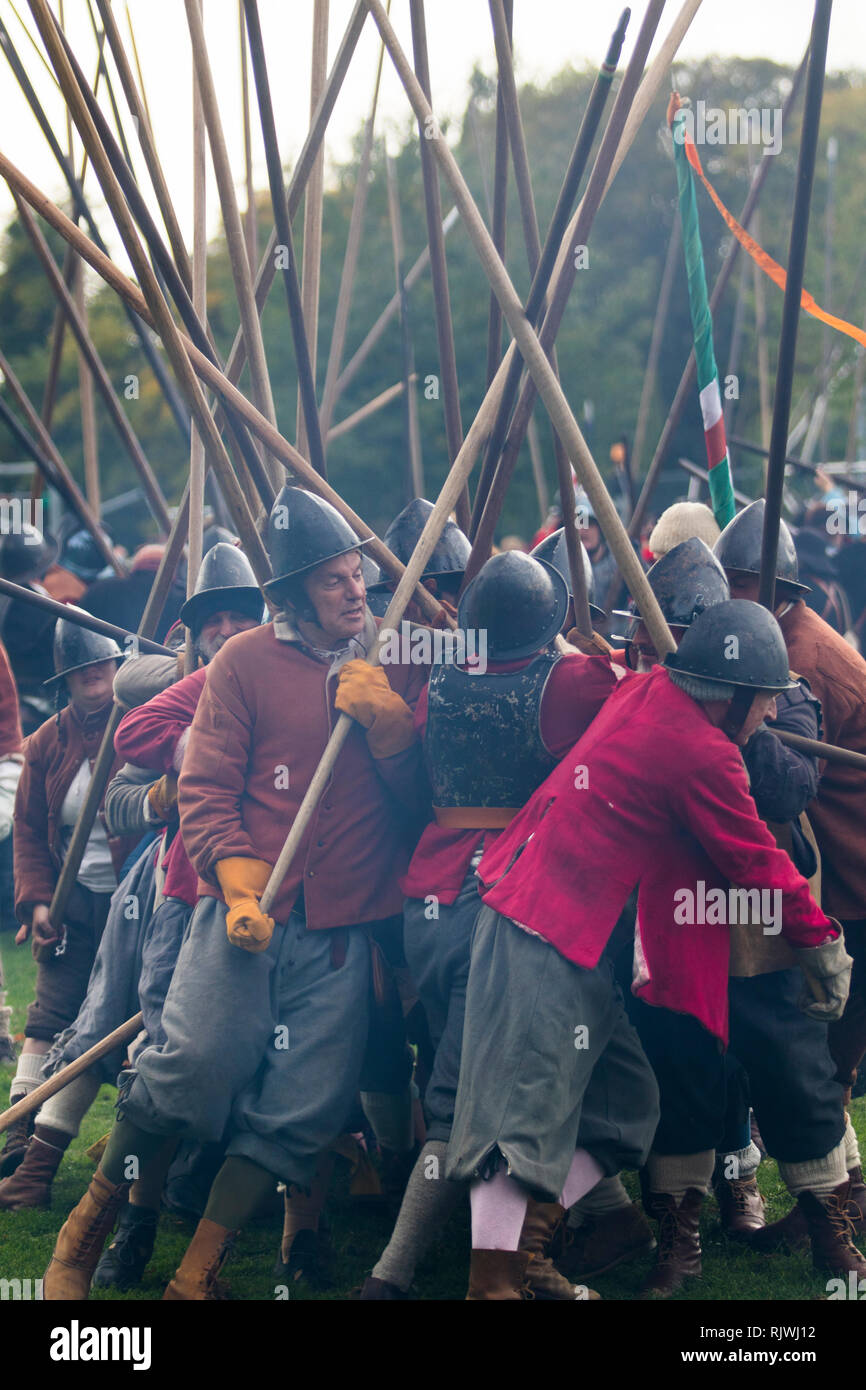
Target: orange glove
{"x":595,"y":645}
{"x":243,"y":881}
{"x":163,"y":796}
{"x":364,"y":693}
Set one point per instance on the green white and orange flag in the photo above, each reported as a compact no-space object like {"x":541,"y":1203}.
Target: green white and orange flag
{"x":721,"y":485}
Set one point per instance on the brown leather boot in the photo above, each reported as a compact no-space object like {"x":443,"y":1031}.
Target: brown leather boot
{"x":15,"y":1145}
{"x":81,"y":1239}
{"x":741,"y":1206}
{"x":30,"y":1184}
{"x":498,"y":1276}
{"x":603,"y":1242}
{"x":830,"y":1222}
{"x":196,"y":1276}
{"x":540,"y":1226}
{"x":857,"y":1195}
{"x":679,"y":1256}
{"x":789,"y":1233}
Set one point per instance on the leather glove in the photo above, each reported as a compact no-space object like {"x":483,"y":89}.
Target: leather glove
{"x":243,"y":881}
{"x":596,"y":645}
{"x":162,"y":796}
{"x":827,"y":969}
{"x":364,"y":693}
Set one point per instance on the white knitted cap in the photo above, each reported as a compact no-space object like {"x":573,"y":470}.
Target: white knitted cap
{"x":680,"y":523}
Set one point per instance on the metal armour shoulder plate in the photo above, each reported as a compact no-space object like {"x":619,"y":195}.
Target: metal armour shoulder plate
{"x":483,"y":739}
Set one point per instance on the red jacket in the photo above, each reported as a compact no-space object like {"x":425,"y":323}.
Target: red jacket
{"x":577,"y":689}
{"x":652,"y":794}
{"x":149,"y":736}
{"x":837,"y":675}
{"x":260,"y":729}
{"x":10,"y":716}
{"x":52,"y":757}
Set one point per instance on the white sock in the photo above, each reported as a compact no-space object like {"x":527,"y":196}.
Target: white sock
{"x":66,"y":1109}
{"x":608,"y":1195}
{"x":674,"y":1174}
{"x":28,"y":1076}
{"x":852,"y":1148}
{"x":739,"y":1163}
{"x":818,"y":1175}
{"x":498,"y":1212}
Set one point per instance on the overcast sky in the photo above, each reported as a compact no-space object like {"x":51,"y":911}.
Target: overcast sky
{"x":548,"y":34}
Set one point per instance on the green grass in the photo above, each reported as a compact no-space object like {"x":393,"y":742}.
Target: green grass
{"x":359,"y":1233}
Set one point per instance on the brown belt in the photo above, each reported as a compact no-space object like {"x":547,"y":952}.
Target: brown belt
{"x":474,"y":817}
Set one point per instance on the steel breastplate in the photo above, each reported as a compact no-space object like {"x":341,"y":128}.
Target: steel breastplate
{"x":483,"y":739}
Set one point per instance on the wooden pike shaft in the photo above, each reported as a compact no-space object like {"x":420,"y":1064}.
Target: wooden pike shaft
{"x":48,"y":449}
{"x":370,"y":408}
{"x":283,"y":229}
{"x":212,"y":376}
{"x":498,"y":227}
{"x":413,"y":429}
{"x":118,"y":416}
{"x":251,"y":229}
{"x":162,"y":318}
{"x":199,"y":304}
{"x":651,"y":372}
{"x":533,"y":354}
{"x":124,"y":1034}
{"x":311,"y":268}
{"x":350,"y":264}
{"x":791,"y":307}
{"x":89,"y":435}
{"x":138,"y":110}
{"x":438,"y":266}
{"x":240,"y":268}
{"x":77,"y":615}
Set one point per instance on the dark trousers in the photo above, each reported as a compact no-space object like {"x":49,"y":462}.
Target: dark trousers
{"x":61,"y":981}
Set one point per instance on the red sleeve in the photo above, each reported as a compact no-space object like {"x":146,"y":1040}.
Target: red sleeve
{"x":148,"y":735}
{"x":714,"y":803}
{"x":577,"y":689}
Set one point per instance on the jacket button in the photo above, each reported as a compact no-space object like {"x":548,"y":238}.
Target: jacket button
{"x":311,"y":874}
{"x":320,"y":844}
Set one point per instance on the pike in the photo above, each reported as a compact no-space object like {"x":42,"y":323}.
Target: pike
{"x":82,"y":209}
{"x":791,"y":305}
{"x":498,"y":225}
{"x":131,"y":640}
{"x":856,"y":483}
{"x":311,"y":267}
{"x":283,"y":228}
{"x":412,"y":427}
{"x":438,"y":266}
{"x":199,"y":304}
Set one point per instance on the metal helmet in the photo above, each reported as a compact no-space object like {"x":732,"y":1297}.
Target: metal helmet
{"x":76,"y":647}
{"x":685,"y":581}
{"x":554,"y":551}
{"x":213,"y":535}
{"x":737,"y":642}
{"x":450,"y":554}
{"x":519,"y":602}
{"x":304,"y":531}
{"x":26,"y":553}
{"x":225,"y":582}
{"x":739,"y":547}
{"x":81,"y":556}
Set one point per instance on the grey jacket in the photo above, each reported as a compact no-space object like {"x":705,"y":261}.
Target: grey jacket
{"x":127,"y":810}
